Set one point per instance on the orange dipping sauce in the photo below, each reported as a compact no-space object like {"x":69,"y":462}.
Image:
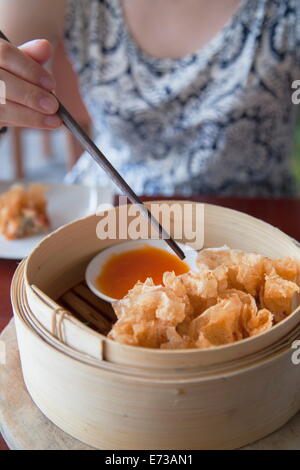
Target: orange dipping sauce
{"x":122,"y":271}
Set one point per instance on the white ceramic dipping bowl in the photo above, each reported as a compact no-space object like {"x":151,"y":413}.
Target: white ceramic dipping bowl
{"x":95,"y":266}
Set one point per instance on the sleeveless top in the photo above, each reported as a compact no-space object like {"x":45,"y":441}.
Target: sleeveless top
{"x":218,"y":122}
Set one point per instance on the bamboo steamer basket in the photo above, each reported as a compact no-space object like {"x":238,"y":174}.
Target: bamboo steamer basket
{"x":114,"y":396}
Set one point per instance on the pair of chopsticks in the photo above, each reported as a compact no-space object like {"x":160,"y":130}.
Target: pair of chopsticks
{"x":104,"y":163}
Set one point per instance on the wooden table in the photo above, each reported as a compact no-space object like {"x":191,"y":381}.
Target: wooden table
{"x":282,"y":213}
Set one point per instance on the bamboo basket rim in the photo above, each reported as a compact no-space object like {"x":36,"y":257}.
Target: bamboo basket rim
{"x":129,"y":373}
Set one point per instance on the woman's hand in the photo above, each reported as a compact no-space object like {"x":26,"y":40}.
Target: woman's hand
{"x":28,"y":86}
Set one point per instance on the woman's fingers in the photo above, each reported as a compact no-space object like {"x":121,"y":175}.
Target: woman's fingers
{"x":27,"y":94}
{"x":14,"y":114}
{"x":29,"y":102}
{"x":13,"y":60}
{"x":40,"y":50}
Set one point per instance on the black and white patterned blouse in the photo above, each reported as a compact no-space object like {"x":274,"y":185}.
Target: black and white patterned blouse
{"x":220,"y":121}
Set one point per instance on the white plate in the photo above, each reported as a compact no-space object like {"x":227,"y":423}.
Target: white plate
{"x":65,"y":204}
{"x":95,"y":266}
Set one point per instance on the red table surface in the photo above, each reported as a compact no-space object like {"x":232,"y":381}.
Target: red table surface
{"x":282,"y":213}
{"x":7,"y":269}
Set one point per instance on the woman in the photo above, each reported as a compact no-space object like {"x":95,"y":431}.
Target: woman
{"x":188,"y":96}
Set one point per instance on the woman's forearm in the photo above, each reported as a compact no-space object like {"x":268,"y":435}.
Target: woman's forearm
{"x":24,"y":20}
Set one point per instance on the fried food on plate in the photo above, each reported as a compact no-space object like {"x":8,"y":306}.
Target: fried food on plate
{"x":23,"y":212}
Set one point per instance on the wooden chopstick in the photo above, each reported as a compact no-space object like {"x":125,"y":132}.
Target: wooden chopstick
{"x":102,"y":161}
{"x":115,"y":176}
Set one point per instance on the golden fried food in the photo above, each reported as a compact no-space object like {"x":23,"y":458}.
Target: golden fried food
{"x":23,"y":212}
{"x":246,"y":270}
{"x":201,"y":289}
{"x":279,"y":296}
{"x":219,"y":324}
{"x":233,"y":296}
{"x":286,"y":268}
{"x":147,"y":313}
